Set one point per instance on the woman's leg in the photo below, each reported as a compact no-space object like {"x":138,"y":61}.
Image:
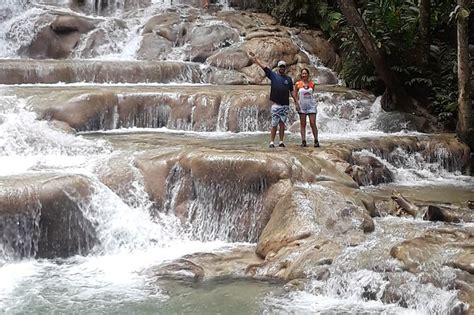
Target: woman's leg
{"x":303,"y":127}
{"x":314,"y":128}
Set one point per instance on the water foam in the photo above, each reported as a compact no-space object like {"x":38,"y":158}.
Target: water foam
{"x":30,"y":144}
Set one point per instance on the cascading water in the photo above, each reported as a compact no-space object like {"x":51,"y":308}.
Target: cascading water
{"x":124,"y":227}
{"x":139,"y":223}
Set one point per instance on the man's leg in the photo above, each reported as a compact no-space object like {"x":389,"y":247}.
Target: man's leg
{"x":273,"y":132}
{"x":282,"y":130}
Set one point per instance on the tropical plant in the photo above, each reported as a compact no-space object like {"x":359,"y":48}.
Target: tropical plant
{"x":393,"y":25}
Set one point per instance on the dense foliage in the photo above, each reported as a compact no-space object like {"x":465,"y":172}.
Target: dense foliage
{"x":394,"y":26}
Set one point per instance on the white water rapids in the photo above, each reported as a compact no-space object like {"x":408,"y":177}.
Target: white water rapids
{"x":110,"y":280}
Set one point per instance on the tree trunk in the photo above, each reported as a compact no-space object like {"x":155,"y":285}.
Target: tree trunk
{"x":423,"y":48}
{"x":464,"y":124}
{"x":395,"y":96}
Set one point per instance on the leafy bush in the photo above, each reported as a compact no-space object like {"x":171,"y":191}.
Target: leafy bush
{"x":444,"y":77}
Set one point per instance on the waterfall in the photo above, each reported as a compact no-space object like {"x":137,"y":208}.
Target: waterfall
{"x":338,"y":115}
{"x":9,"y":8}
{"x":321,"y":70}
{"x":232,"y":215}
{"x":20,"y":232}
{"x":222,"y":117}
{"x":17,"y":31}
{"x":129,"y":164}
{"x":124,"y":228}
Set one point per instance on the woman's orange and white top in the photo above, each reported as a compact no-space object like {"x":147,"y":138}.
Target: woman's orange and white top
{"x":306,"y":97}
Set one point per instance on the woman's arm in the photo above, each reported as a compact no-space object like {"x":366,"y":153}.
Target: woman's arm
{"x":294,"y":94}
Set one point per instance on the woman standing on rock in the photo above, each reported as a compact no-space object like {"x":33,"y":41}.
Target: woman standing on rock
{"x":306,"y":106}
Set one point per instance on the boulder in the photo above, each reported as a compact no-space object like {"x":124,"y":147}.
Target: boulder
{"x":312,"y":211}
{"x":368,"y":170}
{"x":58,"y":40}
{"x":396,"y":121}
{"x":207,"y":39}
{"x":154,"y":47}
{"x":448,"y":214}
{"x":437,"y":247}
{"x":64,"y":24}
{"x":226,"y":264}
{"x":230,"y":58}
{"x":272,"y":49}
{"x":314,"y":42}
{"x":86,"y":112}
{"x":170,"y":26}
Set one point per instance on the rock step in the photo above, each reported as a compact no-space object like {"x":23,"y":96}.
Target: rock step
{"x":184,"y":107}
{"x":21,"y":71}
{"x":47,"y":209}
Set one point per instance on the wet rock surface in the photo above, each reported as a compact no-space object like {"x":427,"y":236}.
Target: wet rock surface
{"x":49,"y":215}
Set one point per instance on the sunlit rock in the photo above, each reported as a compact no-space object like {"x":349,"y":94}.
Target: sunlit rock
{"x":229,"y":264}
{"x":207,"y":39}
{"x":171,"y":26}
{"x":232,"y":58}
{"x":311,"y":211}
{"x":437,"y":247}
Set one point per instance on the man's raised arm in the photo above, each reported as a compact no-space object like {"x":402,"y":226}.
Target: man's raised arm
{"x":254,"y":59}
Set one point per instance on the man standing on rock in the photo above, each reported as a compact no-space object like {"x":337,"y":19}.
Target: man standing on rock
{"x":280,"y":91}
